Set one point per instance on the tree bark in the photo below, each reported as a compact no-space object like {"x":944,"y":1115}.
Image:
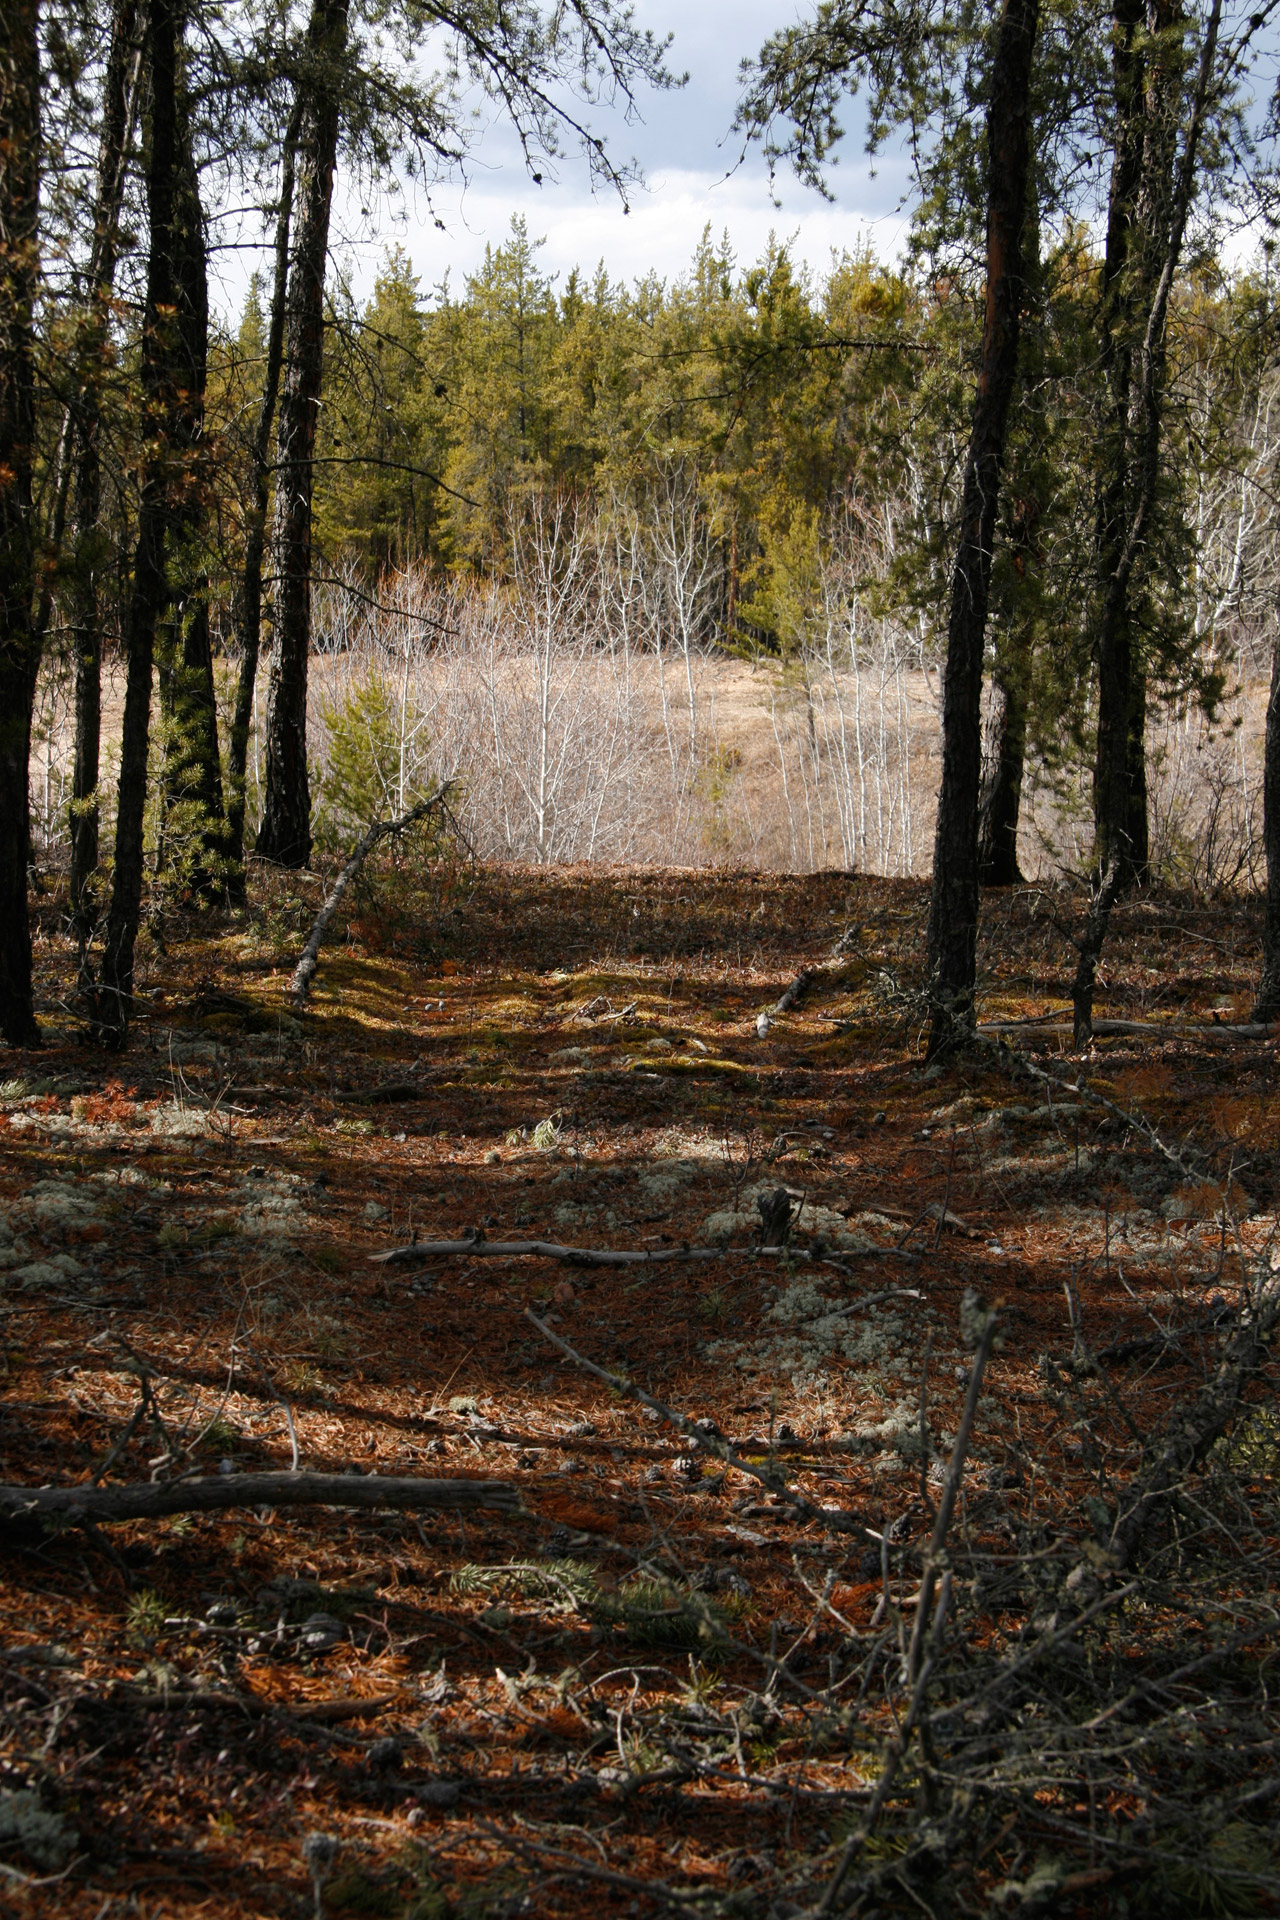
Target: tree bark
{"x":249,"y":609}
{"x":19,"y":643}
{"x":285,"y":833}
{"x":953,"y":910}
{"x":89,"y":548}
{"x":172,"y":388}
{"x":1267,"y":1005}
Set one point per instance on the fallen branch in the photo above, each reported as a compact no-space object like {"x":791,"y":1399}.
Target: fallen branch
{"x":213,"y":1698}
{"x":1011,"y":1060}
{"x":1192,"y":1432}
{"x":834,"y":1518}
{"x":152,"y":1500}
{"x":1152,"y":1029}
{"x":807,"y":976}
{"x":308,"y":965}
{"x":481,"y":1249}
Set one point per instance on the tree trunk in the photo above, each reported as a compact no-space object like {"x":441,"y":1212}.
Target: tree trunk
{"x":285,"y":833}
{"x":191,"y":787}
{"x":19,"y":645}
{"x":172,"y":388}
{"x":249,"y":610}
{"x":1137,"y":830}
{"x":1152,"y":191}
{"x":1267,"y":1004}
{"x":1000,"y":807}
{"x":953,"y":910}
{"x":89,"y":548}
{"x":1116,"y":347}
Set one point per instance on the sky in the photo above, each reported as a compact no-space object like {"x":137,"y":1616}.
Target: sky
{"x":689,"y":158}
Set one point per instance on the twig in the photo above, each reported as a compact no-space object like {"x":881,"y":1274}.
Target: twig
{"x":568,"y":1863}
{"x":950,"y":1493}
{"x":897,"y":1753}
{"x":152,"y":1500}
{"x":281,"y":1402}
{"x":1192,"y":1433}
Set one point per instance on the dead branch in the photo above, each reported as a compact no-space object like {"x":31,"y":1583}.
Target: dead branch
{"x":1193,"y":1430}
{"x":153,"y":1500}
{"x":809,"y":976}
{"x":839,"y":1521}
{"x":348,"y":1707}
{"x":1051,"y":1029}
{"x":1090,"y":950}
{"x":308,"y":965}
{"x":481,"y":1249}
{"x":951,"y":1488}
{"x":1010,"y":1060}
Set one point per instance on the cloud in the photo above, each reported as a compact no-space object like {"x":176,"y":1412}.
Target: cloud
{"x":694,"y":172}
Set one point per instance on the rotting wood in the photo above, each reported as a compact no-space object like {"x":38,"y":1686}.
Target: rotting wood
{"x":153,"y":1500}
{"x":308,"y":965}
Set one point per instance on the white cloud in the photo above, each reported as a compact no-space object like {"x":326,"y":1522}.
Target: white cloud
{"x":685,"y":148}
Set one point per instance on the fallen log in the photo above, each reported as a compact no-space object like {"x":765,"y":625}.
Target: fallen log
{"x":153,"y":1500}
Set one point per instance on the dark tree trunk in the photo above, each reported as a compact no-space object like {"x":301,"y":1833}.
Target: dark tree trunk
{"x":285,"y":833}
{"x":172,"y":387}
{"x":1119,"y":296}
{"x":1150,"y":195}
{"x":1137,"y":820}
{"x":249,"y":609}
{"x":191,"y":787}
{"x":19,"y":643}
{"x":1267,"y":1005}
{"x":1152,"y":190}
{"x":1000,"y":807}
{"x":953,"y":909}
{"x":89,"y":548}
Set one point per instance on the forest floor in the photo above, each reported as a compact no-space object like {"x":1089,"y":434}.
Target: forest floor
{"x":660,"y":1684}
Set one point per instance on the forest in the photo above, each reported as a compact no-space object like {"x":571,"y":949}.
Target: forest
{"x":639,"y":964}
